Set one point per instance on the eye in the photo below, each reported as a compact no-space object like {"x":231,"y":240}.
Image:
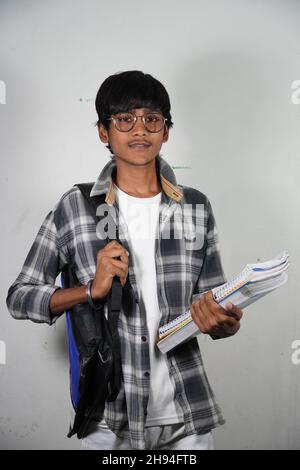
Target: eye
{"x":153,"y":118}
{"x":124,"y":117}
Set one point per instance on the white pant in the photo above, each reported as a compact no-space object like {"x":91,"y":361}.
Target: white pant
{"x":170,"y":437}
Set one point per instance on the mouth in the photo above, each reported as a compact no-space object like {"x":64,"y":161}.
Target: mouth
{"x":139,"y":145}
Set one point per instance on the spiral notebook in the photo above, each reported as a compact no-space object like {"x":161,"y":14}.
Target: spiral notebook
{"x":252,"y":283}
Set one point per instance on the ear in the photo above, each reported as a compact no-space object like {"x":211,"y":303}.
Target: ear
{"x":103,"y":134}
{"x":166,"y":134}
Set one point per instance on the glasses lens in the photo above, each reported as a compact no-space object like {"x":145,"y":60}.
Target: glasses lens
{"x":124,"y":121}
{"x":154,"y":122}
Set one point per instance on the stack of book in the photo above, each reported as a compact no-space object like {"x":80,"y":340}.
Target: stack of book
{"x":253,"y":282}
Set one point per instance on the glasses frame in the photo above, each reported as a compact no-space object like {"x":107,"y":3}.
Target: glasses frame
{"x":135,"y":118}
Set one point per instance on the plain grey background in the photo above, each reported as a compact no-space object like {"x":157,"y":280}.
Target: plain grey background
{"x":229,"y":67}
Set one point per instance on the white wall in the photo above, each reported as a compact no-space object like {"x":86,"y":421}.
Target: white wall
{"x":229,"y":67}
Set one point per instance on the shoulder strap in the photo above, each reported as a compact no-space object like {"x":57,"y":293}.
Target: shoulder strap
{"x":115,"y":297}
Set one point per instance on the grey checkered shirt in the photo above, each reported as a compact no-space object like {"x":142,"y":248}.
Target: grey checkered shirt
{"x":68,"y":235}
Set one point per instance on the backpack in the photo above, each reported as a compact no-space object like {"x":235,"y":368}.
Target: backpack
{"x":93,"y":343}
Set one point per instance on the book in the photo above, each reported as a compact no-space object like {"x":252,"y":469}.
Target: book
{"x":254,"y":282}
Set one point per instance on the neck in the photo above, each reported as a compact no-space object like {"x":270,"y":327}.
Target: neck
{"x":138,"y":181}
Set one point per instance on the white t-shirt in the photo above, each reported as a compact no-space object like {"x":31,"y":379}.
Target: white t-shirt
{"x":141,"y":217}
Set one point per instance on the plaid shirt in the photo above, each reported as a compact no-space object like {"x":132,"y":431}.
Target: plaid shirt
{"x":68,"y":235}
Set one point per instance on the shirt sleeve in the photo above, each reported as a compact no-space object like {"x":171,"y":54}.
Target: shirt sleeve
{"x":29,"y":296}
{"x":212,"y":274}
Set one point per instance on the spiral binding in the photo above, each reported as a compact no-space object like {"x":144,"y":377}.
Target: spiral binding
{"x":226,"y":289}
{"x":184,"y":316}
{"x":219,"y":294}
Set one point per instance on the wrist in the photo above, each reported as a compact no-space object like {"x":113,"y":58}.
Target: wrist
{"x":91,"y":297}
{"x":93,"y":293}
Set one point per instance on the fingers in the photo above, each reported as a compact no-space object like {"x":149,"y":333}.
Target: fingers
{"x":112,"y":260}
{"x":119,"y":264}
{"x":210,"y":316}
{"x":233,"y":310}
{"x":114,"y":249}
{"x":115,"y":267}
{"x":115,"y":253}
{"x":124,"y":256}
{"x":230,"y":311}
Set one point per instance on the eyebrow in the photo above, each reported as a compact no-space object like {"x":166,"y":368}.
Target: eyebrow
{"x":146,"y":109}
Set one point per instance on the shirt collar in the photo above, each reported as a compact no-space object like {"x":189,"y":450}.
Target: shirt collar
{"x":104,"y":183}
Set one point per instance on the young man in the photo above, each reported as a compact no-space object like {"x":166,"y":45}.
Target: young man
{"x":165,"y":401}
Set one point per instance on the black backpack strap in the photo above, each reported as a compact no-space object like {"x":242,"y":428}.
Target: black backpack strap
{"x":115,"y":296}
{"x":114,"y":307}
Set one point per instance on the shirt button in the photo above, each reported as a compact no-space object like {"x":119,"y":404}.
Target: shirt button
{"x":146,"y":374}
{"x":144,"y":338}
{"x":136,"y":301}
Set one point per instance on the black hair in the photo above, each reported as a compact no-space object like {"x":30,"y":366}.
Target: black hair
{"x":128,"y":90}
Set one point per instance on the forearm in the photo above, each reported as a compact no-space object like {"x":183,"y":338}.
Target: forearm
{"x":30,"y":301}
{"x":64,"y":299}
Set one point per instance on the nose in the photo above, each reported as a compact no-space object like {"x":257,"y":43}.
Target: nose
{"x":139,"y":127}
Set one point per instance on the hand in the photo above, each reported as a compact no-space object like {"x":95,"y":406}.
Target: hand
{"x":107,"y":267}
{"x":213,"y":319}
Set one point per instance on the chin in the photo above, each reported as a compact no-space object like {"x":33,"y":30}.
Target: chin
{"x":138,"y":159}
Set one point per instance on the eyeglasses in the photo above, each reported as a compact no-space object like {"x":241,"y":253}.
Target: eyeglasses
{"x":125,"y":122}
